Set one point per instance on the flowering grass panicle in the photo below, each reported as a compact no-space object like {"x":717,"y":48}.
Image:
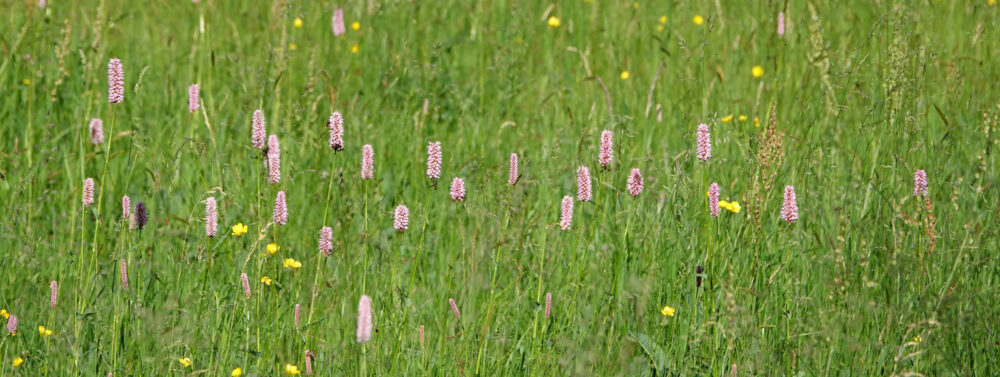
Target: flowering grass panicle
{"x":781,"y":26}
{"x":920,"y":183}
{"x":367,"y":162}
{"x":583,"y":189}
{"x":790,"y":209}
{"x":12,"y":325}
{"x":336,"y":126}
{"x":193,"y":98}
{"x":123,"y":271}
{"x":258,"y":132}
{"x":401,"y":218}
{"x":273,"y":160}
{"x":548,"y":304}
{"x":458,"y":189}
{"x":88,"y":192}
{"x":116,"y":81}
{"x":298,"y":312}
{"x":635,"y":182}
{"x":280,"y":215}
{"x":338,"y":22}
{"x":96,"y":131}
{"x":141,"y":216}
{"x":512,"y":174}
{"x":713,"y":199}
{"x":434,"y":160}
{"x":364,"y":319}
{"x":53,"y":293}
{"x":566,"y":218}
{"x":704,"y":142}
{"x":454,"y":308}
{"x":245,"y":281}
{"x":211,"y":217}
{"x":326,"y":241}
{"x":607,"y":151}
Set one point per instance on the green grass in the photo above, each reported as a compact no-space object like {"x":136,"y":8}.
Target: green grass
{"x":865,"y":94}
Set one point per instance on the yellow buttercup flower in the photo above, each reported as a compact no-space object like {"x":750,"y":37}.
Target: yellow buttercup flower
{"x":18,"y":361}
{"x":185,"y":361}
{"x":698,"y":19}
{"x":237,"y":372}
{"x":293,"y":47}
{"x":554,"y":22}
{"x":625,"y":75}
{"x":291,"y":370}
{"x":756,"y":122}
{"x":918,"y":339}
{"x":266,"y":280}
{"x":663,"y":19}
{"x":668,"y":311}
{"x":727,"y":118}
{"x":743,"y":118}
{"x":273,"y":248}
{"x":239,"y":229}
{"x":355,"y":48}
{"x":757,"y":71}
{"x":297,"y":22}
{"x":734,"y":207}
{"x":26,"y":81}
{"x":292,"y":263}
{"x":723,"y":204}
{"x":44,"y":331}
{"x":355,"y":26}
{"x":4,"y":313}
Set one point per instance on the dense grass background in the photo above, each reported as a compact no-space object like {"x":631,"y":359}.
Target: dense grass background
{"x":865,"y":94}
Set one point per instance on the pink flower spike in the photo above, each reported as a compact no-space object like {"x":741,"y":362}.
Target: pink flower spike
{"x":88,"y":192}
{"x":401,"y":218}
{"x":607,"y":149}
{"x":364,"y":319}
{"x":781,"y":24}
{"x":54,"y":294}
{"x":567,"y":213}
{"x":367,"y":162}
{"x":309,"y":364}
{"x":434,"y":160}
{"x":193,"y":98}
{"x":298,"y":313}
{"x":704,"y":142}
{"x":457,"y":189}
{"x":126,"y":208}
{"x":790,"y":209}
{"x":548,"y":304}
{"x":246,"y":284}
{"x":454,"y":308}
{"x":273,"y":160}
{"x":338,"y":22}
{"x":513,"y":176}
{"x":116,"y":81}
{"x":280,"y":215}
{"x":12,"y":324}
{"x":336,"y":126}
{"x":258,"y":132}
{"x":123,"y":271}
{"x":713,"y":199}
{"x":211,"y":217}
{"x":920,"y":183}
{"x":96,"y":131}
{"x":583,"y":190}
{"x":635,"y":183}
{"x":326,"y":241}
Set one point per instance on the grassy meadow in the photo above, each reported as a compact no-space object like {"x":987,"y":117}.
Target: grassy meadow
{"x":851,"y":100}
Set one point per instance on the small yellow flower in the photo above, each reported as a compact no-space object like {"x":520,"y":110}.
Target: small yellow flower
{"x":756,"y":122}
{"x":743,"y":118}
{"x":355,"y":48}
{"x":723,"y":204}
{"x":698,"y":19}
{"x":237,"y":372}
{"x":668,"y":311}
{"x":297,"y":22}
{"x":918,"y":339}
{"x":553,"y":22}
{"x":757,"y":71}
{"x":4,"y":313}
{"x":185,"y":361}
{"x":734,"y":207}
{"x":727,"y":118}
{"x":273,"y":248}
{"x":17,"y":362}
{"x":292,"y":263}
{"x":291,"y":369}
{"x":293,"y":47}
{"x":26,"y":81}
{"x":355,"y":26}
{"x":44,"y":331}
{"x":625,"y":75}
{"x":663,"y":19}
{"x":239,"y":229}
{"x":266,"y":280}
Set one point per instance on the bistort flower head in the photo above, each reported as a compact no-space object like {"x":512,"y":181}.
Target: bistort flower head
{"x":704,"y":142}
{"x":367,"y":162}
{"x":211,"y":217}
{"x":280,"y":215}
{"x":635,"y":182}
{"x":88,"y":192}
{"x":258,"y":132}
{"x":274,"y":160}
{"x":607,"y":149}
{"x":96,"y":131}
{"x":513,"y":176}
{"x":713,"y":199}
{"x":790,"y":209}
{"x":458,"y":189}
{"x":336,"y":126}
{"x":116,"y":81}
{"x":401,"y":218}
{"x":193,"y":98}
{"x":920,"y":183}
{"x":141,"y":216}
{"x":566,"y":218}
{"x":326,"y":241}
{"x":364,"y":319}
{"x":583,"y":189}
{"x":434,"y":160}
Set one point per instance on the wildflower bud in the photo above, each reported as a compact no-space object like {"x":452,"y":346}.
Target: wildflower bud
{"x":326,"y":241}
{"x":12,"y":324}
{"x":367,"y":162}
{"x":607,"y":149}
{"x":583,"y":190}
{"x":54,"y":293}
{"x":434,"y":160}
{"x":338,"y":22}
{"x":790,"y":209}
{"x":364,"y":319}
{"x":193,"y":98}
{"x":258,"y":132}
{"x":298,"y":312}
{"x":704,"y":142}
{"x":123,"y":271}
{"x":116,"y":81}
{"x":280,"y":216}
{"x":211,"y":217}
{"x":96,"y":131}
{"x":457,"y":189}
{"x":713,"y":199}
{"x":567,"y":213}
{"x":513,"y":176}
{"x":88,"y":192}
{"x":246,"y":284}
{"x":635,"y":183}
{"x":920,"y":183}
{"x":141,"y":217}
{"x":548,"y":304}
{"x":401,"y":220}
{"x":454,"y":308}
{"x":273,"y":160}
{"x":336,"y":126}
